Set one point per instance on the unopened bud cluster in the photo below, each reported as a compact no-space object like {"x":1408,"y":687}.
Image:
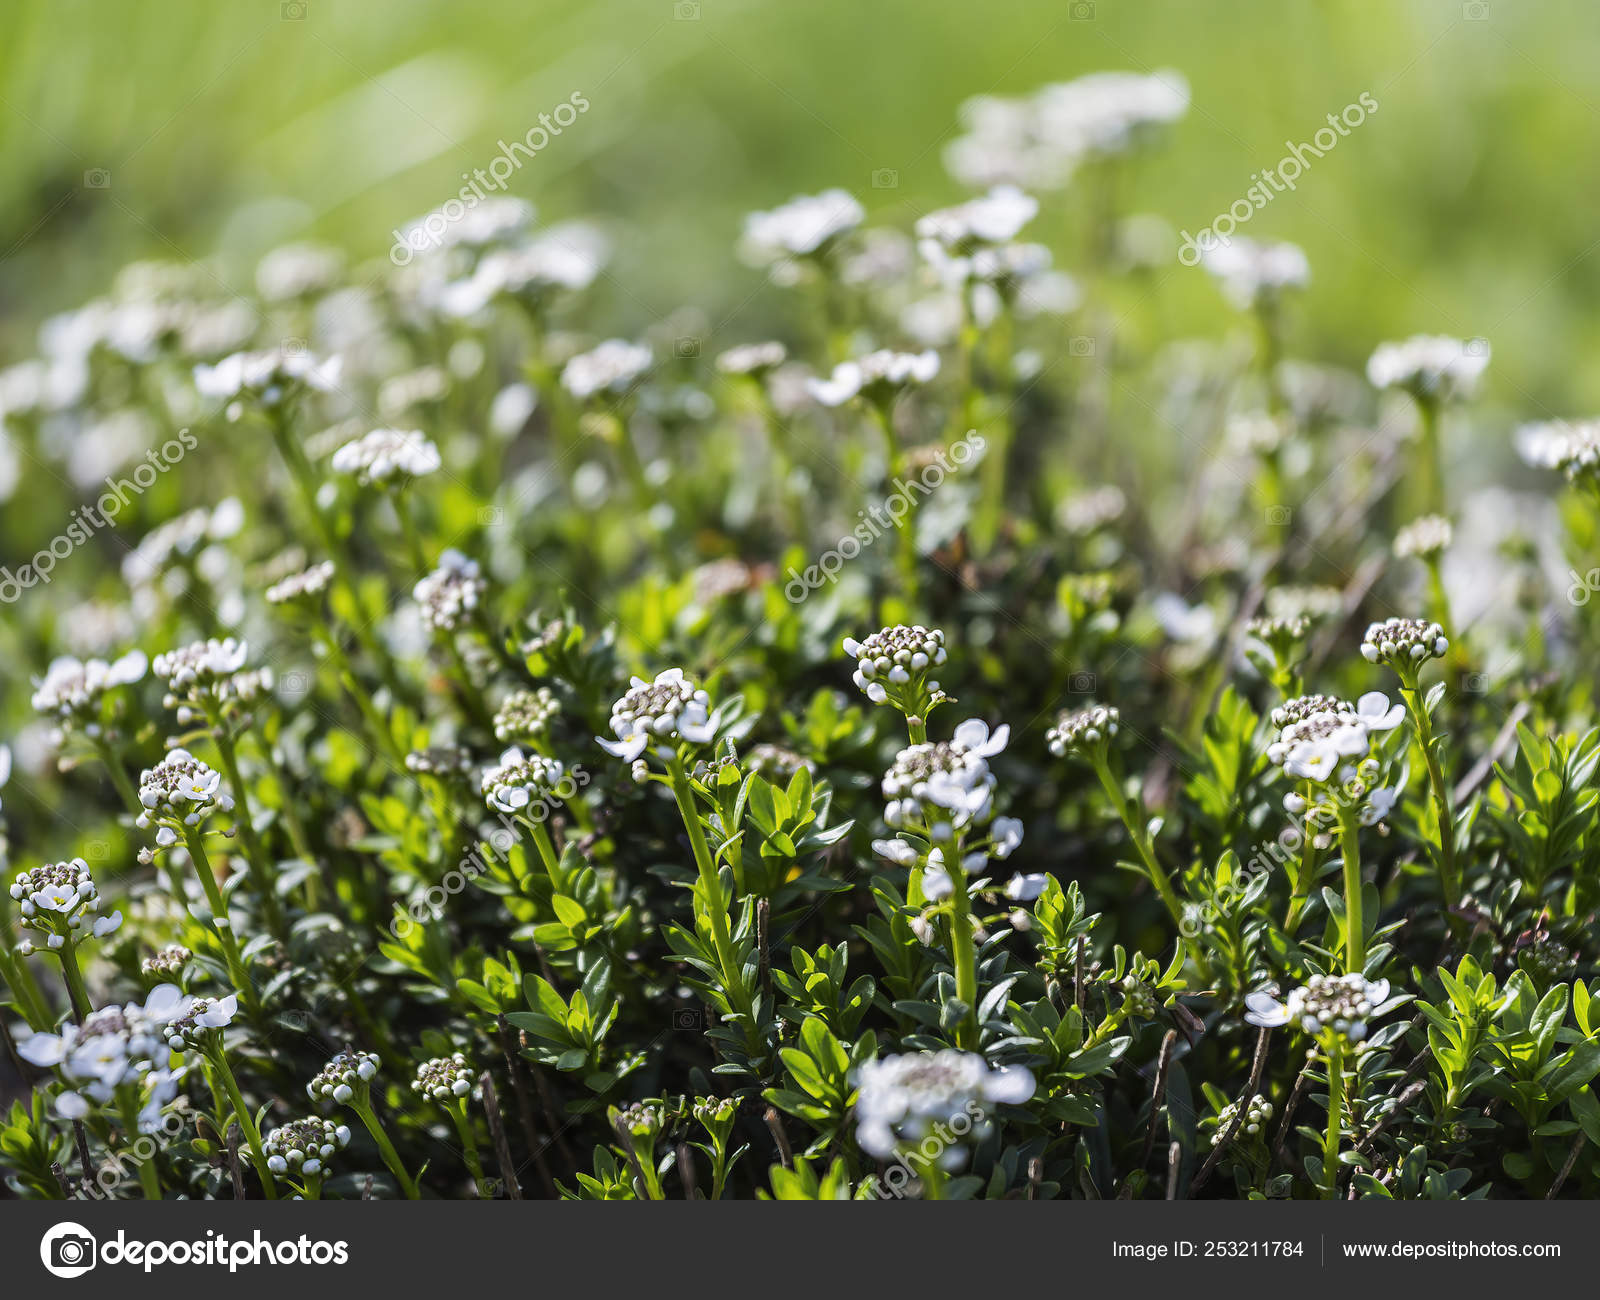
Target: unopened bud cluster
{"x":1083,"y":730}
{"x":1256,"y":1114}
{"x":344,"y":1077}
{"x":444,"y":1078}
{"x":525,"y":715}
{"x":304,"y":1146}
{"x":1404,"y":643}
{"x":892,"y":666}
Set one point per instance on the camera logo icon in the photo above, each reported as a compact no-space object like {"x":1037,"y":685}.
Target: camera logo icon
{"x":688,"y":1019}
{"x":1081,"y":345}
{"x":97,"y":178}
{"x":885,"y":178}
{"x":68,"y":1250}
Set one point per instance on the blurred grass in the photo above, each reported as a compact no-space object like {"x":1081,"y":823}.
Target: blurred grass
{"x":1462,"y":206}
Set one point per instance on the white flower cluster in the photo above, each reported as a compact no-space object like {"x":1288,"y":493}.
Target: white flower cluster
{"x":304,"y":1146}
{"x":1256,"y":1114}
{"x":1039,"y":141}
{"x":1327,"y":1005}
{"x":180,"y":788}
{"x":167,"y":963}
{"x":386,"y":456}
{"x":613,"y":368}
{"x":304,"y":586}
{"x":1314,"y":741}
{"x":521,"y":780}
{"x":905,"y":1100}
{"x":525,"y":715}
{"x":877,"y":376}
{"x":440,"y":760}
{"x":995,"y":218}
{"x":806,"y":226}
{"x":114,"y":1048}
{"x":209,"y":672}
{"x":892,"y":666}
{"x":1251,"y":272}
{"x":269,"y":378}
{"x":670,"y":709}
{"x":449,"y":596}
{"x":190,"y":538}
{"x":298,"y":271}
{"x":945,"y":786}
{"x":444,"y":1078}
{"x":344,"y":1077}
{"x":57,"y":898}
{"x":1081,"y":730}
{"x":1430,"y":367}
{"x":562,"y":259}
{"x":1424,"y":538}
{"x":72,"y":691}
{"x":754,"y":359}
{"x":1404,"y":642}
{"x":198,"y":1023}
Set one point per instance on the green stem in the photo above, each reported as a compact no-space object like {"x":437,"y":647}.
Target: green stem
{"x":76,"y":992}
{"x":1430,"y":475}
{"x":149,"y":1182}
{"x":1355,"y":928}
{"x":220,"y":921}
{"x":963,"y":955}
{"x":254,"y":853}
{"x":710,"y":884}
{"x":119,"y":775}
{"x":391,"y":1157}
{"x":247,"y":1121}
{"x":1450,"y":876}
{"x":1156,"y":873}
{"x":1330,"y":1145}
{"x":469,"y":1145}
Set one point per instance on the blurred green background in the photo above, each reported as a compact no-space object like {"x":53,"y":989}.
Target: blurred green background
{"x":1463,"y":206}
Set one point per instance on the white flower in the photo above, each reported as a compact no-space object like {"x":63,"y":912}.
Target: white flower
{"x":669,"y":709}
{"x":945,"y":1095}
{"x":896,"y":851}
{"x":189,"y":1027}
{"x":518,"y":781}
{"x":387,"y":454}
{"x":613,"y":367}
{"x":996,"y":218}
{"x":180,"y":789}
{"x":1326,"y":1006}
{"x":269,"y":377}
{"x":946,"y":786}
{"x":1430,"y":366}
{"x":877,"y":375}
{"x":1007,"y":835}
{"x":1026,"y":888}
{"x":803,"y":227}
{"x":115,"y":1047}
{"x":298,"y":271}
{"x":451,"y":593}
{"x":1376,"y":713}
{"x":73,"y":690}
{"x":936,"y":882}
{"x":1251,"y":271}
